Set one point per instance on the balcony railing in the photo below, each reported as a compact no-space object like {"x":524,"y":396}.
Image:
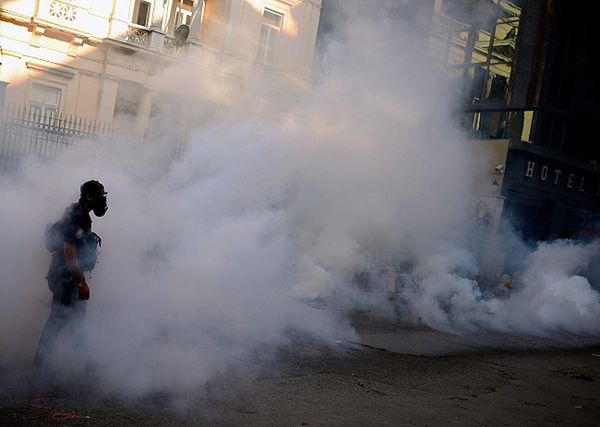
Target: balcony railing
{"x":138,"y":36}
{"x":141,"y":36}
{"x":173,"y":46}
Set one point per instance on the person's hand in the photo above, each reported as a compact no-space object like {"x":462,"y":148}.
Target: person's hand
{"x":84,"y":292}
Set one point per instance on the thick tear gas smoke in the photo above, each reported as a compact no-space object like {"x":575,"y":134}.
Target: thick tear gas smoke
{"x":221,"y":252}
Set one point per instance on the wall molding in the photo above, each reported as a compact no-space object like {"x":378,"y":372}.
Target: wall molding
{"x":49,"y":70}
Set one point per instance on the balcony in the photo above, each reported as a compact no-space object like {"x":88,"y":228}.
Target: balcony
{"x":137,"y":35}
{"x":156,"y":41}
{"x":173,"y":46}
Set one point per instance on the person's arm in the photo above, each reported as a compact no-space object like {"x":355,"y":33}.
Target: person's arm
{"x":73,"y":264}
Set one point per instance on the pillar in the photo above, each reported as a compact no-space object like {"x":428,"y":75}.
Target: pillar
{"x":3,"y":85}
{"x":119,"y":22}
{"x":157,"y":36}
{"x":143,"y":113}
{"x":172,"y":9}
{"x":196,"y":21}
{"x":108,"y":97}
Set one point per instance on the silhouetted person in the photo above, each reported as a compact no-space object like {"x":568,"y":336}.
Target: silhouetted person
{"x":74,"y":250}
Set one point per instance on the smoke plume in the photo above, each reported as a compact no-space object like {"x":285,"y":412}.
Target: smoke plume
{"x":223,"y":250}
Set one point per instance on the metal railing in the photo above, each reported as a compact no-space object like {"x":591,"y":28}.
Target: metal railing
{"x":173,"y":46}
{"x":141,"y":37}
{"x":25,"y":132}
{"x":137,"y":35}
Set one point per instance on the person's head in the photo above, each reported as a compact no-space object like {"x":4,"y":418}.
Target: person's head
{"x":92,"y":194}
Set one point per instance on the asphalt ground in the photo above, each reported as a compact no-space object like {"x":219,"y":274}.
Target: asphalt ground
{"x":422,"y":341}
{"x":423,"y":378}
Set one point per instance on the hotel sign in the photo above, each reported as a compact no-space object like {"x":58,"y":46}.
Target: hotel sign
{"x":560,"y":177}
{"x":533,"y":168}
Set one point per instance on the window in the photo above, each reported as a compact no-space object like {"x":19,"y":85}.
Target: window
{"x":128,"y":99}
{"x":268,"y":41}
{"x":127,"y":106}
{"x":141,"y":13}
{"x":183,"y":18}
{"x":44,"y":100}
{"x":476,"y":40}
{"x":184,"y":13}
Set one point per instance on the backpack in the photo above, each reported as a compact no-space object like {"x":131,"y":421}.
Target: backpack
{"x":53,"y":236}
{"x":87,"y":253}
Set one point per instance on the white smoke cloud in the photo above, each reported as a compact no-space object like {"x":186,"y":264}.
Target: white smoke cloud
{"x":549,"y":296}
{"x":216,"y":255}
{"x":553,"y":295}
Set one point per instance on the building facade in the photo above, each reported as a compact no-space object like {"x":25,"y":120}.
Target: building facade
{"x":105,"y":60}
{"x":524,"y":73}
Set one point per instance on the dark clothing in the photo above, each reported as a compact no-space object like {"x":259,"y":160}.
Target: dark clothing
{"x":76,"y":229}
{"x":62,"y":315}
{"x":77,"y":224}
{"x":60,"y":280}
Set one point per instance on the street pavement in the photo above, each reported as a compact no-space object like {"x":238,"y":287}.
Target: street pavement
{"x":391,"y":375}
{"x":422,"y":341}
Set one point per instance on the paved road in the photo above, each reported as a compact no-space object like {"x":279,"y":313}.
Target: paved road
{"x":428,"y":378}
{"x":427,"y":342}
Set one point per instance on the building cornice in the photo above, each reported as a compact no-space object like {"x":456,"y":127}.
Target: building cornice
{"x":10,"y":14}
{"x":35,"y":66}
{"x":8,"y":52}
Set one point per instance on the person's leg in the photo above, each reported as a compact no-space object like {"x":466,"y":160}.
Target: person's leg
{"x":59,"y":316}
{"x":77,"y":322}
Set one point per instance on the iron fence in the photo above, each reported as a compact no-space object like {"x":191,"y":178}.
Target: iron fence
{"x":24,"y":131}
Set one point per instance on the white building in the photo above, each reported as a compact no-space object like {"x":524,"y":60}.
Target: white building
{"x":95,"y":58}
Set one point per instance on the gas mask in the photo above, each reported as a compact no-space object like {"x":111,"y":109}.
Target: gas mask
{"x":99,"y":204}
{"x":94,"y":191}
